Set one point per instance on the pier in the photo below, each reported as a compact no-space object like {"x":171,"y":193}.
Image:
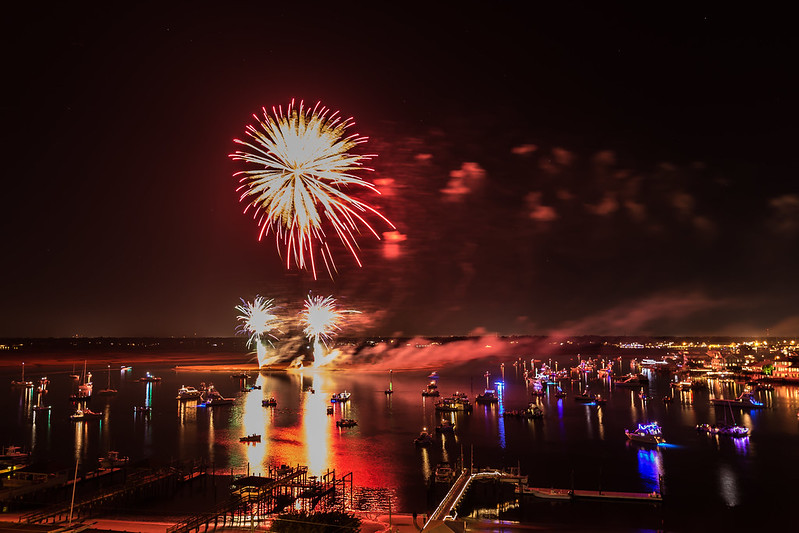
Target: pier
{"x":446,"y":512}
{"x":256,"y":498}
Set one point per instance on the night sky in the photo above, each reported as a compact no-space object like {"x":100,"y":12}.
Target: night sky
{"x":572,"y":169}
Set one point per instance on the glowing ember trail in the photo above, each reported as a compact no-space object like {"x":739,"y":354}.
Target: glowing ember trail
{"x":321,"y":320}
{"x":303,"y":170}
{"x":257,"y":321}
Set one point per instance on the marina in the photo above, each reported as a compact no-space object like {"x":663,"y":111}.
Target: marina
{"x":564,"y":444}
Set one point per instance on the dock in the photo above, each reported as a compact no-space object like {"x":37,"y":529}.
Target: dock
{"x":256,"y":498}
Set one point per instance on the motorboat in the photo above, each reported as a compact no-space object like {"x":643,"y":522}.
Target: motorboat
{"x":143,"y":409}
{"x":149,"y":378}
{"x":668,"y":399}
{"x":214,"y":399}
{"x":745,"y":401}
{"x":346,"y":423}
{"x":424,"y":439}
{"x":489,"y":396}
{"x":250,"y":438}
{"x":455,"y":403}
{"x":84,"y":414}
{"x":390,"y":390}
{"x":646,"y":433}
{"x":272,"y":402}
{"x":340,"y":397}
{"x":188,"y":393}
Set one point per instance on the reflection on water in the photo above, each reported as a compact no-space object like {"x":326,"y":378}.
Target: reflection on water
{"x":728,"y":486}
{"x":650,"y":468}
{"x":501,"y":408}
{"x":316,"y":428}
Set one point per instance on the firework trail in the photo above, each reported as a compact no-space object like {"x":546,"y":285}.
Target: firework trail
{"x":321,"y":320}
{"x":257,"y":320}
{"x":303,"y":170}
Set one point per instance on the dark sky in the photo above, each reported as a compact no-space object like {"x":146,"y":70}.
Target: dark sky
{"x":576,"y":169}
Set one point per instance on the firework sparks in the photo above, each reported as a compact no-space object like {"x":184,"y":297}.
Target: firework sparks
{"x":258,"y":321}
{"x":303,"y":170}
{"x":321,"y":320}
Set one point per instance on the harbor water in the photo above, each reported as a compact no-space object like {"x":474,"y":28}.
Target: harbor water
{"x":707,"y":481}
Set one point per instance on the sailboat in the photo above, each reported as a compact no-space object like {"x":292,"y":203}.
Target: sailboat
{"x":22,"y":382}
{"x":108,"y":390}
{"x":85,"y":388}
{"x":390,"y":389}
{"x":73,"y":375}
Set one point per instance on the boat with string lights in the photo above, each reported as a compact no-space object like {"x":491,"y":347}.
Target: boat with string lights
{"x":646,"y":433}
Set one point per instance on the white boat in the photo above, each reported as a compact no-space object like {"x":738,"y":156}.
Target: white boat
{"x":188,"y":393}
{"x":340,"y":397}
{"x":646,"y":433}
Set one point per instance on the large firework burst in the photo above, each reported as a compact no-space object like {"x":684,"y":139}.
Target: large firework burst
{"x":299,"y":186}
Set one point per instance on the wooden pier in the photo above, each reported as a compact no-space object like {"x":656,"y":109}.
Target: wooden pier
{"x":256,"y":498}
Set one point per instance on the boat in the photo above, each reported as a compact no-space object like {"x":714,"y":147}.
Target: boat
{"x":584,"y":397}
{"x":444,"y":473}
{"x":330,"y":409}
{"x":455,"y":403}
{"x":85,"y":388}
{"x":549,"y":494}
{"x":214,"y":399}
{"x":144,"y":409}
{"x":149,"y":378}
{"x":240,"y":375}
{"x":432,"y":389}
{"x":14,"y":454}
{"x":644,"y":396}
{"x":560,"y":393}
{"x":272,"y":402}
{"x":489,"y":396}
{"x":724,"y":429}
{"x":188,"y":393}
{"x":745,"y":401}
{"x":113,"y":460}
{"x":307,"y":389}
{"x":250,"y":438}
{"x":42,"y":387}
{"x":84,"y":414}
{"x":667,"y":399}
{"x":646,"y":433}
{"x":346,"y":423}
{"x":424,"y":439}
{"x":340,"y":397}
{"x":108,"y":390}
{"x":533,"y":412}
{"x":22,"y":383}
{"x":445,"y":427}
